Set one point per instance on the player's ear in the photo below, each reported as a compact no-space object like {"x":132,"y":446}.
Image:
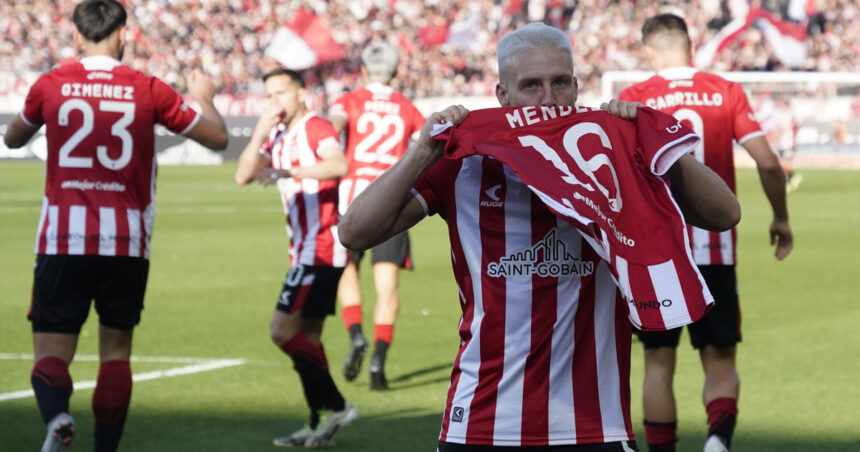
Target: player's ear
{"x":502,"y":95}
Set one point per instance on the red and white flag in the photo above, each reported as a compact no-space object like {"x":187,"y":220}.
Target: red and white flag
{"x":305,"y":41}
{"x":787,"y":39}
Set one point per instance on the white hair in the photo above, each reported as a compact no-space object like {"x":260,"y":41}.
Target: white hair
{"x":532,"y":36}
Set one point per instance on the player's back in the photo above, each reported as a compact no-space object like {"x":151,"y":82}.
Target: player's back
{"x":100,"y":177}
{"x":381,"y":121}
{"x":715,"y":108}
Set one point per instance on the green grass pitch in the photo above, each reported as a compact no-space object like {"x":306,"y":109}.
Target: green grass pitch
{"x":218,"y":258}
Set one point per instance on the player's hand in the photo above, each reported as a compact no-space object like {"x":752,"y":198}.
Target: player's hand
{"x":200,"y":86}
{"x":272,"y":114}
{"x":780,"y":234}
{"x":454,"y":114}
{"x":621,"y":108}
{"x":270,"y":176}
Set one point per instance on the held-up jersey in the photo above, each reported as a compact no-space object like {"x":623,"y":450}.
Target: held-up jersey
{"x":604,"y":175}
{"x":380,"y":122}
{"x":544,"y":355}
{"x":718,"y":111}
{"x":100,"y":171}
{"x":310,"y":204}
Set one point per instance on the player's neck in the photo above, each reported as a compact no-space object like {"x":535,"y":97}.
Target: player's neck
{"x":300,"y":114}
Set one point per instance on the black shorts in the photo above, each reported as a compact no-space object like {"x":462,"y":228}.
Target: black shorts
{"x":618,"y":446}
{"x":720,"y":328}
{"x":394,"y":250}
{"x":310,"y":289}
{"x":64,"y":286}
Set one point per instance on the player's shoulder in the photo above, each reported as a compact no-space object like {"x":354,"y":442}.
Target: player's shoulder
{"x":316,"y":123}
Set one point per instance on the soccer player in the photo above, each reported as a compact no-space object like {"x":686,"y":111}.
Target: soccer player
{"x":379,"y":122}
{"x":94,"y":233}
{"x":718,"y":111}
{"x":544,"y":359}
{"x":300,"y":153}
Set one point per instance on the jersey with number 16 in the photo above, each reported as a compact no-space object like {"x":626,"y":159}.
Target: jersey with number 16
{"x":100,"y":178}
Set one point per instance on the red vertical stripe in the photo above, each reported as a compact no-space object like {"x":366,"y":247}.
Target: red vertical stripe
{"x":92,"y":231}
{"x":327,"y":199}
{"x":122,"y":236}
{"x":535,"y":417}
{"x":302,"y":296}
{"x":63,"y":230}
{"x":492,"y":223}
{"x":586,"y":394}
{"x":301,"y":216}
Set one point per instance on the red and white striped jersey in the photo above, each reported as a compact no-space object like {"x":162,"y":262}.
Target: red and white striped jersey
{"x":718,"y":111}
{"x":100,"y":171}
{"x":544,"y":354}
{"x":380,"y":122}
{"x":310,"y":204}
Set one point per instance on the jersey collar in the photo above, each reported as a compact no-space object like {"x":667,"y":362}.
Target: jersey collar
{"x":678,"y":73}
{"x":99,"y":63}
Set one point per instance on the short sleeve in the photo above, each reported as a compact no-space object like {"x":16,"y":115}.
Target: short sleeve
{"x":433,"y":186}
{"x":745,"y":124}
{"x":32,"y":112}
{"x":663,"y":139}
{"x":170,"y":109}
{"x":321,"y":135}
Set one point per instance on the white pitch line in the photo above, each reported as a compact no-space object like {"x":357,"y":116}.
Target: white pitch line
{"x":200,"y":366}
{"x":134,"y":358}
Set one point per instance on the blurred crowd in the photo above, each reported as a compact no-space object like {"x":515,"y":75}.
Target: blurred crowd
{"x":447,"y":46}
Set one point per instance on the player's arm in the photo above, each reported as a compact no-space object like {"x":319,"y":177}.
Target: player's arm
{"x":251,"y":162}
{"x":387,"y":207}
{"x":332,"y":165}
{"x":18,"y":133}
{"x":704,"y":198}
{"x":210,"y":130}
{"x":773,"y":181}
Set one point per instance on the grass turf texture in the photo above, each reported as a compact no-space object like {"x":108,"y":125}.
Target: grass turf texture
{"x":218,"y":258}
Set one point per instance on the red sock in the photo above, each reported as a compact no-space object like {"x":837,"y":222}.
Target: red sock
{"x":52,"y":385}
{"x":383,"y":332}
{"x":113,"y":392}
{"x":720,"y":411}
{"x":299,"y":346}
{"x":351,"y":315}
{"x":661,"y":434}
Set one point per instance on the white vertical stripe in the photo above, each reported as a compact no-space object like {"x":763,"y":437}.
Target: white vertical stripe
{"x":561,"y":414}
{"x":77,"y":229}
{"x":611,"y":408}
{"x":133,"y":232}
{"x":340,"y":254}
{"x":107,"y":231}
{"x":467,"y":196}
{"x":51,"y":232}
{"x":624,"y":285}
{"x":41,"y":225}
{"x":667,"y":286}
{"x":517,"y":208}
{"x":726,"y":247}
{"x":701,"y":246}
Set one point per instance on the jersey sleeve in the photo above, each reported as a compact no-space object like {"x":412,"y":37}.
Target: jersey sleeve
{"x":321,"y":135}
{"x":430,"y":186}
{"x":170,"y":109}
{"x":416,"y":120}
{"x":745,"y":124}
{"x":663,"y":139}
{"x":32,"y":112}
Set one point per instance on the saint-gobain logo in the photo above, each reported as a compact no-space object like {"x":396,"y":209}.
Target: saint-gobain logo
{"x":549,"y":257}
{"x":457,"y":414}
